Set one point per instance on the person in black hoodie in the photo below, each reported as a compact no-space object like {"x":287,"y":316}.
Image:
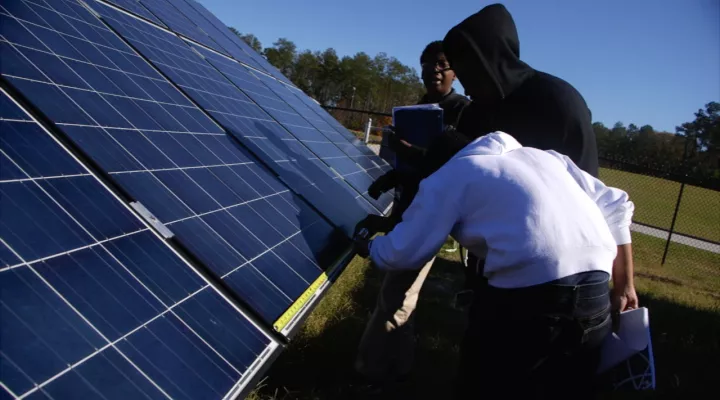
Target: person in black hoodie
{"x":386,"y":349}
{"x":538,"y":109}
{"x":547,"y":113}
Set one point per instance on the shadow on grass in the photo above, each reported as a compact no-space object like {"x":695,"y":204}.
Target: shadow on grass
{"x":686,"y":345}
{"x":318,"y":364}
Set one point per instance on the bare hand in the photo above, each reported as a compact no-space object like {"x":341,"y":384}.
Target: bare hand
{"x":622,"y":300}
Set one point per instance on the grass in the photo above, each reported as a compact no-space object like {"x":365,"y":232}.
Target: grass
{"x":655,"y":200}
{"x":683,"y":299}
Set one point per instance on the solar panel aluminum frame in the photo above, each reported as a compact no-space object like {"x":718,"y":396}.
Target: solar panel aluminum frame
{"x":277,"y":343}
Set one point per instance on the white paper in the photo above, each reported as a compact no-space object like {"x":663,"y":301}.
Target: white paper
{"x":633,"y":337}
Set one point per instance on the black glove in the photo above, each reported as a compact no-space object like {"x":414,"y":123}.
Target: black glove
{"x":374,"y":224}
{"x":383,"y":184}
{"x":362,"y":247}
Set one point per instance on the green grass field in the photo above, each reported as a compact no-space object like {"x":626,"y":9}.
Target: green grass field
{"x":655,"y":200}
{"x":684,"y":308}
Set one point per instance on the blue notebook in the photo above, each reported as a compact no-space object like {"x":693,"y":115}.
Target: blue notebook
{"x":418,"y":125}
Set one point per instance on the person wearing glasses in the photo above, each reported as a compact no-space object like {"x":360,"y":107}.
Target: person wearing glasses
{"x":387,"y":346}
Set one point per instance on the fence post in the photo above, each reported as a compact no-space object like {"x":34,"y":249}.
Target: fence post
{"x":672,"y":224}
{"x":367,"y":130}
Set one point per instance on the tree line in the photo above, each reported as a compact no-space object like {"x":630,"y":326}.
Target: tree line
{"x":365,"y":82}
{"x":692,"y":150}
{"x":378,"y":83}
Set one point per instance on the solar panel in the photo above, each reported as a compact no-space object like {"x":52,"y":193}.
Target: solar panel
{"x":169,"y":210}
{"x":239,"y":114}
{"x":93,"y":303}
{"x":178,"y":22}
{"x":352,"y":139}
{"x":259,"y":59}
{"x":170,"y":157}
{"x":137,"y":9}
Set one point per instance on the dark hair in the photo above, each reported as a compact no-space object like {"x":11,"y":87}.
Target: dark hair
{"x":431,"y":50}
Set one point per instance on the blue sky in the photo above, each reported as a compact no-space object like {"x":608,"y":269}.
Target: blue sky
{"x":643,"y":61}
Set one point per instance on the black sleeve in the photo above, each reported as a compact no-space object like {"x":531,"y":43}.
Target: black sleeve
{"x":580,"y":139}
{"x":571,"y":125}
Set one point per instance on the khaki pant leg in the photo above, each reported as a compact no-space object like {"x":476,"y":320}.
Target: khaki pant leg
{"x":387,"y":347}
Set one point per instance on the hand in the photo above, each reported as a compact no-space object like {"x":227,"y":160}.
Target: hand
{"x":621,"y":300}
{"x":373,"y":223}
{"x":383,"y":184}
{"x":362,"y":247}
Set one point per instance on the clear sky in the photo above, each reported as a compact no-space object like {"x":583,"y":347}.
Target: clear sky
{"x":642,"y":61}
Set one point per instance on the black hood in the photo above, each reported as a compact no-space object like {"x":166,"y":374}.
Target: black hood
{"x":487,"y":44}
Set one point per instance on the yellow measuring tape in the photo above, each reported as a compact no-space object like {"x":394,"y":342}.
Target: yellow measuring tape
{"x":298,"y":305}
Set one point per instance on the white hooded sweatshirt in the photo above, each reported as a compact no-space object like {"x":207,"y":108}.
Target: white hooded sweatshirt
{"x":533,"y":214}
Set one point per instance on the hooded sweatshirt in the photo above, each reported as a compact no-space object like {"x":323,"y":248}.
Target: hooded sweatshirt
{"x":546,"y":218}
{"x":538,"y":109}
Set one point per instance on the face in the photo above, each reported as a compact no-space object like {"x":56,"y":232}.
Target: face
{"x":437,"y":75}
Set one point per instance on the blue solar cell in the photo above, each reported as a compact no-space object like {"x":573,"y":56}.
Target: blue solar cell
{"x":287,"y":279}
{"x":224,"y":44}
{"x":153,"y":263}
{"x":244,"y":119}
{"x":95,"y":210}
{"x":32,"y":224}
{"x":83,"y":283}
{"x":273,"y":102}
{"x":33,"y":150}
{"x":199,"y":313}
{"x":261,"y":294}
{"x":41,"y":334}
{"x":136,"y":8}
{"x":191,"y":374}
{"x":302,"y":265}
{"x":259,"y":59}
{"x":153,"y":142}
{"x":93,"y":282}
{"x":174,"y":19}
{"x":108,"y":369}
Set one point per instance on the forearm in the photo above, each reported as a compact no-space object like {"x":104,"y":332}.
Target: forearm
{"x":623,"y":269}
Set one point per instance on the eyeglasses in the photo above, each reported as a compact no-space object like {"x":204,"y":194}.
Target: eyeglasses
{"x":439,"y":65}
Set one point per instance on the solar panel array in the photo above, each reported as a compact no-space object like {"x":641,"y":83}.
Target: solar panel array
{"x":171,"y":205}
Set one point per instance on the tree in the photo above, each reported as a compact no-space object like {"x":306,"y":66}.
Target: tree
{"x":282,"y":55}
{"x":704,"y":131}
{"x":306,"y":71}
{"x":250,"y":39}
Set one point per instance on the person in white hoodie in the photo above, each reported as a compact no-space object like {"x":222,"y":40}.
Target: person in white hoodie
{"x":552,"y":235}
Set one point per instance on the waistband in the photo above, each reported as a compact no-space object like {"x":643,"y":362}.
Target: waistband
{"x":554,"y":296}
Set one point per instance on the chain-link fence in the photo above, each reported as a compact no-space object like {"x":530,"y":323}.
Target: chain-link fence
{"x":677,"y":216}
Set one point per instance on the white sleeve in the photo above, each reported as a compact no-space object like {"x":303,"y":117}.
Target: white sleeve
{"x":425,"y":225}
{"x":614,"y":203}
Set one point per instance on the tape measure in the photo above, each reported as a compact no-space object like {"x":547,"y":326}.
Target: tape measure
{"x":298,"y":305}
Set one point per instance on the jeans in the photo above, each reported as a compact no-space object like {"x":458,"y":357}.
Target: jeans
{"x":537,"y":342}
